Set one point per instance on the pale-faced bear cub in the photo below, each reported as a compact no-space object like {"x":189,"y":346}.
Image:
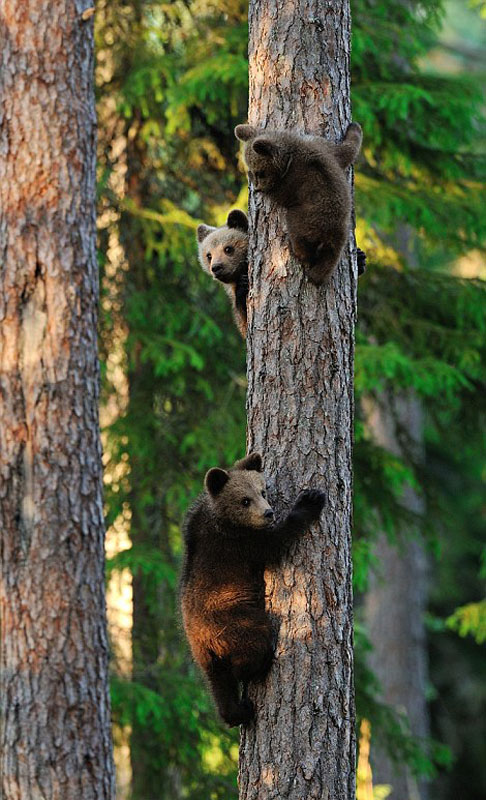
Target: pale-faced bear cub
{"x":306,"y":176}
{"x":223,"y":252}
{"x":230,"y":537}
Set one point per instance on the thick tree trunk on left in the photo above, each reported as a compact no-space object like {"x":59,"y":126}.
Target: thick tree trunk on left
{"x":55,"y":739}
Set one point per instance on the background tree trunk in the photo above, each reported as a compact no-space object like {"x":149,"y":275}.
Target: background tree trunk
{"x":395,"y":605}
{"x":300,"y":412}
{"x":55,"y":739}
{"x":396,"y":600}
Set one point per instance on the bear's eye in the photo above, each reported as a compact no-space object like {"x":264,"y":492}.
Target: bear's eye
{"x":260,"y":176}
{"x":208,"y":256}
{"x":264,"y":494}
{"x":246,"y":502}
{"x":229,"y":250}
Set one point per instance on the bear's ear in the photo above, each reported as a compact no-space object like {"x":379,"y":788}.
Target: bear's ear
{"x":215,"y":480}
{"x":265,"y":147}
{"x":203,"y":231}
{"x":237,"y":219}
{"x":245,"y":132}
{"x":253,"y":461}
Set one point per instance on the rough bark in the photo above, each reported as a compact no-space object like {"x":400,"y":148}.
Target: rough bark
{"x":300,"y":410}
{"x":395,"y":605}
{"x":55,"y":739}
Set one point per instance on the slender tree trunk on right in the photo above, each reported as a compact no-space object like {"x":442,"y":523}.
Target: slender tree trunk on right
{"x":395,"y":605}
{"x":300,"y":415}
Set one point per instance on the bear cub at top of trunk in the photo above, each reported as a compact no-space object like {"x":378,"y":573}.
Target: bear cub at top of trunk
{"x":223,"y":253}
{"x":230,"y":537}
{"x":306,"y":176}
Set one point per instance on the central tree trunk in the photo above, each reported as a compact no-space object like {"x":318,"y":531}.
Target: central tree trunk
{"x":300,"y":413}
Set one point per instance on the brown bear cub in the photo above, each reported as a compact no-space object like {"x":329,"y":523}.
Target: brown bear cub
{"x":306,"y":176}
{"x":223,"y":252}
{"x":230,"y":537}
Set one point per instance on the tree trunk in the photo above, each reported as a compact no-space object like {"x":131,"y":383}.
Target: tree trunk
{"x":300,"y":413}
{"x":148,"y":775}
{"x":55,"y":738}
{"x":395,"y":606}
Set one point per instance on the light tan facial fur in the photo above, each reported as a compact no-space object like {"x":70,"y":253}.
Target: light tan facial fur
{"x":222,"y":252}
{"x":239,"y":494}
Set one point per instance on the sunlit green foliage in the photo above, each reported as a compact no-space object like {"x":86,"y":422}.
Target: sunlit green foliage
{"x":470,"y":619}
{"x":479,"y":4}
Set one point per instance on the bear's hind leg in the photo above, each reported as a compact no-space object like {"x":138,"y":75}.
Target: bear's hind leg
{"x":321,"y":268}
{"x":319,"y":259}
{"x":303,"y":249}
{"x":224,"y":686}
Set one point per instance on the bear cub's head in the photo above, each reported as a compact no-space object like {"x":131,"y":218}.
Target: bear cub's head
{"x":223,"y":252}
{"x":268,"y":156}
{"x":238,"y":496}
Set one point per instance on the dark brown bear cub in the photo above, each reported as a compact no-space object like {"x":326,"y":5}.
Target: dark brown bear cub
{"x":306,"y":176}
{"x":223,"y":252}
{"x":230,"y":536}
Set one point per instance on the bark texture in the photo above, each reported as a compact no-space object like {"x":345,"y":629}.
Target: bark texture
{"x":55,"y":740}
{"x":300,"y":410}
{"x":395,"y":605}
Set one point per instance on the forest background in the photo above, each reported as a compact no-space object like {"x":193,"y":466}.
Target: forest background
{"x":172,"y":82}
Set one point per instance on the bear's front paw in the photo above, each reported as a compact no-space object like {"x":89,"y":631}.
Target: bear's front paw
{"x":361,"y":259}
{"x":355,"y":128}
{"x":311,"y":502}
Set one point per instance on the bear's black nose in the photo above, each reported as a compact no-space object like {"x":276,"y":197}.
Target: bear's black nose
{"x":269,"y":514}
{"x":217,"y":268}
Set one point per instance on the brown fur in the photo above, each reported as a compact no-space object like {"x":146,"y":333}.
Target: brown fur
{"x":223,"y":253}
{"x":228,"y":545}
{"x":306,"y":176}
